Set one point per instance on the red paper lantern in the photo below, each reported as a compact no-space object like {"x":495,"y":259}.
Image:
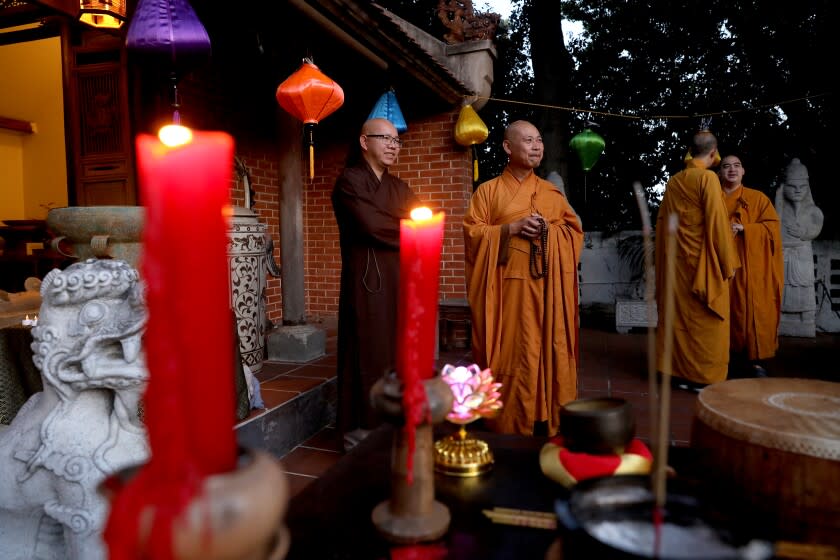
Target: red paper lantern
{"x":310,"y":96}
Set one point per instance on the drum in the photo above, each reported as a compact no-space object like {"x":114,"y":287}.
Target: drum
{"x":772,"y":445}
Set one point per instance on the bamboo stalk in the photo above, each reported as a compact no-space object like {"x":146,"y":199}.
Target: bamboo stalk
{"x":649,"y":297}
{"x":547,"y":514}
{"x":805,"y":551}
{"x":661,"y":451}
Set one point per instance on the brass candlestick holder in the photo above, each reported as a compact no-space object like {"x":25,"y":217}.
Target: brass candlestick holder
{"x":475,"y":396}
{"x":412,"y":514}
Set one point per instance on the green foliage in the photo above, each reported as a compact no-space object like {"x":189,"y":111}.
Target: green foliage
{"x":683,"y":59}
{"x":648,"y":71}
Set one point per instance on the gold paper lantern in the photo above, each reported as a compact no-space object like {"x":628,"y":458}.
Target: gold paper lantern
{"x":469,"y":131}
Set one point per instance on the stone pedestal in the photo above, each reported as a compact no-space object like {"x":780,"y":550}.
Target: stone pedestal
{"x":297,"y":343}
{"x":631,"y":313}
{"x":247,"y":270}
{"x":802,"y":324}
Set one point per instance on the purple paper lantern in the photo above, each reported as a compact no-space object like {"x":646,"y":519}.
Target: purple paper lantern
{"x":168,"y":32}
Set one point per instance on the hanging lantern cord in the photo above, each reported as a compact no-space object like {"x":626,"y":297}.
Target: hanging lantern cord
{"x":175,"y":102}
{"x":309,"y":130}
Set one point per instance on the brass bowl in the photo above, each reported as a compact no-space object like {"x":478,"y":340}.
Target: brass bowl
{"x":597,"y":425}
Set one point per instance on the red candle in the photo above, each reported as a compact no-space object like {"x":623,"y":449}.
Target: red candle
{"x":421,"y":239}
{"x":189,"y":405}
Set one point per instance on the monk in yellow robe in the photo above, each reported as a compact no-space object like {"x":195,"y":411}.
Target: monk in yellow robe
{"x":705,"y":261}
{"x":522,"y":242}
{"x":756,"y":290}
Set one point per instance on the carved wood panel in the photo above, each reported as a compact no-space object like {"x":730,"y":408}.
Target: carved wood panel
{"x":101,"y":135}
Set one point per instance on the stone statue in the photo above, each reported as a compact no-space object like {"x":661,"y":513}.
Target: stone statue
{"x":85,"y":425}
{"x":464,"y":23}
{"x":801,"y":222}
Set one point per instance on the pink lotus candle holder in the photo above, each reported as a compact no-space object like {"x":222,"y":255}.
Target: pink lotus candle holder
{"x":475,"y":395}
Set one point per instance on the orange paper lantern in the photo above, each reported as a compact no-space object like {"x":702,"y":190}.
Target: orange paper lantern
{"x":310,"y":96}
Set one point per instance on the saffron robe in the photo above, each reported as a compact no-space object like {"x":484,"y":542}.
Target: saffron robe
{"x":524,"y":329}
{"x":368,"y":212}
{"x":705,"y":261}
{"x":756,"y":290}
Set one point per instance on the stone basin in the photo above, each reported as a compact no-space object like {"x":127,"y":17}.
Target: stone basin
{"x":98,"y":231}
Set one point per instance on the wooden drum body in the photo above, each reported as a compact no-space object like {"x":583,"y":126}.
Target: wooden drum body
{"x":772,"y":447}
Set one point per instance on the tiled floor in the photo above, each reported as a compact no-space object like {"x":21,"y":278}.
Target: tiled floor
{"x":610,"y":364}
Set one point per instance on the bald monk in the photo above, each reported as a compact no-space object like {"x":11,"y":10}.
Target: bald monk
{"x":705,"y":262}
{"x":522,"y":243}
{"x":756,"y":290}
{"x":368,"y":202}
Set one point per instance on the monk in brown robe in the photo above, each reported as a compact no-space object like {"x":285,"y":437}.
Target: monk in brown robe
{"x":706,"y":260}
{"x":368,"y":203}
{"x":523,"y":243}
{"x":755,"y":292}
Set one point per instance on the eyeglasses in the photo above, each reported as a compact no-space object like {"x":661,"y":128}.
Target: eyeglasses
{"x":387,"y":139}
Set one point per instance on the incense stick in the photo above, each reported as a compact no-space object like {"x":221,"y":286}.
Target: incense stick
{"x":661,"y":451}
{"x":522,"y":518}
{"x":649,"y":295}
{"x":805,"y":551}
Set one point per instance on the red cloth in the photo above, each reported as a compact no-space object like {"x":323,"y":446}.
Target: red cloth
{"x":569,"y":467}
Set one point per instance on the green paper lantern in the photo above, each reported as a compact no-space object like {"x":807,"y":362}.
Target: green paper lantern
{"x":589,"y":146}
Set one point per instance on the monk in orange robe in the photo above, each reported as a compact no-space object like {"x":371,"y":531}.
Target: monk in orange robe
{"x":705,"y":262}
{"x":522,"y":242}
{"x":756,"y":290}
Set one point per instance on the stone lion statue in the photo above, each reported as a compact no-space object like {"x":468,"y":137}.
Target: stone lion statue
{"x":84,"y":426}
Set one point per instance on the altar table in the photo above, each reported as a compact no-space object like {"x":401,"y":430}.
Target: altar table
{"x":330,"y":518}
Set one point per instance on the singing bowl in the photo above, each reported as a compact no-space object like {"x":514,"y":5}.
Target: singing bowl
{"x":597,"y":425}
{"x":612,"y":517}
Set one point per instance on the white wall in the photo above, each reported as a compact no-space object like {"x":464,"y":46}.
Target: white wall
{"x":604,"y":277}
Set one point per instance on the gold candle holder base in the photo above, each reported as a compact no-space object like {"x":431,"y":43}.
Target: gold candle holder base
{"x":459,"y":455}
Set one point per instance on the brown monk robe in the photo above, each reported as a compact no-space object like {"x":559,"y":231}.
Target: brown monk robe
{"x":368,"y":203}
{"x":705,"y":261}
{"x":525,"y":328}
{"x":756,"y":290}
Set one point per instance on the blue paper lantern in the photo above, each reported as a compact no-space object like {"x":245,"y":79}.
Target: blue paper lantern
{"x":388,"y":108}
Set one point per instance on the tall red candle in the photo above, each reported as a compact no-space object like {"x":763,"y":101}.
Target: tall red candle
{"x":421,"y":240}
{"x":189,"y":405}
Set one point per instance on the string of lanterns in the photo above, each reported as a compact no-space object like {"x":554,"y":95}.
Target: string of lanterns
{"x":655,"y":117}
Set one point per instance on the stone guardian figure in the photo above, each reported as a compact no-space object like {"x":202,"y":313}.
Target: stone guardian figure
{"x":85,"y":425}
{"x":801,"y":223}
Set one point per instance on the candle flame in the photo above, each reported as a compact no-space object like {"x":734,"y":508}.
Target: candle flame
{"x":175,"y":135}
{"x":421,"y":214}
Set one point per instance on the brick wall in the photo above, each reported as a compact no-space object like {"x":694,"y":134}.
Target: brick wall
{"x":431,"y":162}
